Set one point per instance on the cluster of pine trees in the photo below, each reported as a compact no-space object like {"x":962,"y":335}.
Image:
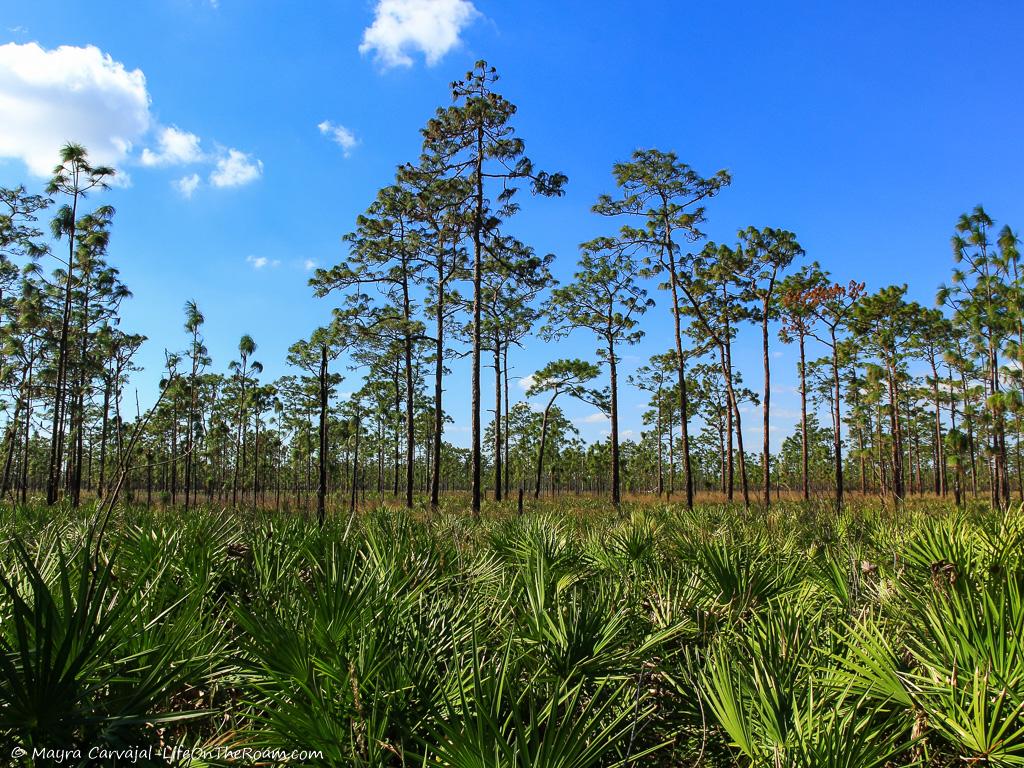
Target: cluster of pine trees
{"x":919,"y":400}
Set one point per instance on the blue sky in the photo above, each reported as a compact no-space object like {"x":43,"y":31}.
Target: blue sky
{"x":866,"y":128}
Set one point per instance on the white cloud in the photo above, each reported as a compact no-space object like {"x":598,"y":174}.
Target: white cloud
{"x":235,"y":169}
{"x":186,"y":185}
{"x":527,"y":381}
{"x":259,"y":262}
{"x":177,"y":147}
{"x":429,"y":26}
{"x":340,"y":135}
{"x":79,"y":94}
{"x":309,"y":265}
{"x":594,"y":418}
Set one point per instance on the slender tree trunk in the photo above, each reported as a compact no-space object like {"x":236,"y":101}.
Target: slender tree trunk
{"x":355,"y":468}
{"x":28,"y":435}
{"x":103,"y":440}
{"x":729,"y":454}
{"x":863,"y":464}
{"x":398,"y":431}
{"x":79,"y":431}
{"x":721,"y":454}
{"x":321,"y":488}
{"x":613,"y":377}
{"x":410,"y":407}
{"x":837,"y":435}
{"x":684,"y":417}
{"x":174,"y":452}
{"x":410,"y":427}
{"x":478,"y":226}
{"x":661,"y":443}
{"x":240,"y":438}
{"x":189,"y":427}
{"x":739,"y":423}
{"x":256,"y":490}
{"x":435,"y":475}
{"x":543,"y":443}
{"x":504,"y":367}
{"x":380,"y":456}
{"x":1017,"y":453}
{"x":765,"y":448}
{"x":804,"y":451}
{"x":894,"y":426}
{"x":671,"y":459}
{"x":78,"y":403}
{"x":497,"y":419}
{"x":941,"y":480}
{"x":11,"y":439}
{"x":57,"y":433}
{"x":883,"y":478}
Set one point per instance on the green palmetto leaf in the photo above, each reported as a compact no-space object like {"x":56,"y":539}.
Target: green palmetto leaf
{"x":78,"y":663}
{"x":970,"y":652}
{"x":870,"y":666}
{"x":508,"y":718}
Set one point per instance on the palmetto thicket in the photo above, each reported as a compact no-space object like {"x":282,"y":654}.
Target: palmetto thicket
{"x":567,"y":636}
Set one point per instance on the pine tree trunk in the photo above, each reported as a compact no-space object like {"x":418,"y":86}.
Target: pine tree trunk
{"x":765,"y":449}
{"x":435,"y":475}
{"x":57,"y":432}
{"x":355,"y":468}
{"x":543,"y":443}
{"x":684,"y":417}
{"x":894,"y":427}
{"x":321,"y":488}
{"x":804,"y":452}
{"x":103,"y":440}
{"x":478,"y":225}
{"x":504,"y":366}
{"x":738,"y":420}
{"x":497,"y":419}
{"x":730,"y":482}
{"x":28,"y":435}
{"x":837,"y":435}
{"x":613,"y":377}
{"x":661,"y":443}
{"x":410,"y":406}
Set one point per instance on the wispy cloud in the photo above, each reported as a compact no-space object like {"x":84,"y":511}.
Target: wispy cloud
{"x":186,"y":185}
{"x":259,"y":262}
{"x":340,"y":135}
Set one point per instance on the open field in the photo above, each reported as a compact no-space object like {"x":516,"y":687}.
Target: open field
{"x":566,"y":637}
